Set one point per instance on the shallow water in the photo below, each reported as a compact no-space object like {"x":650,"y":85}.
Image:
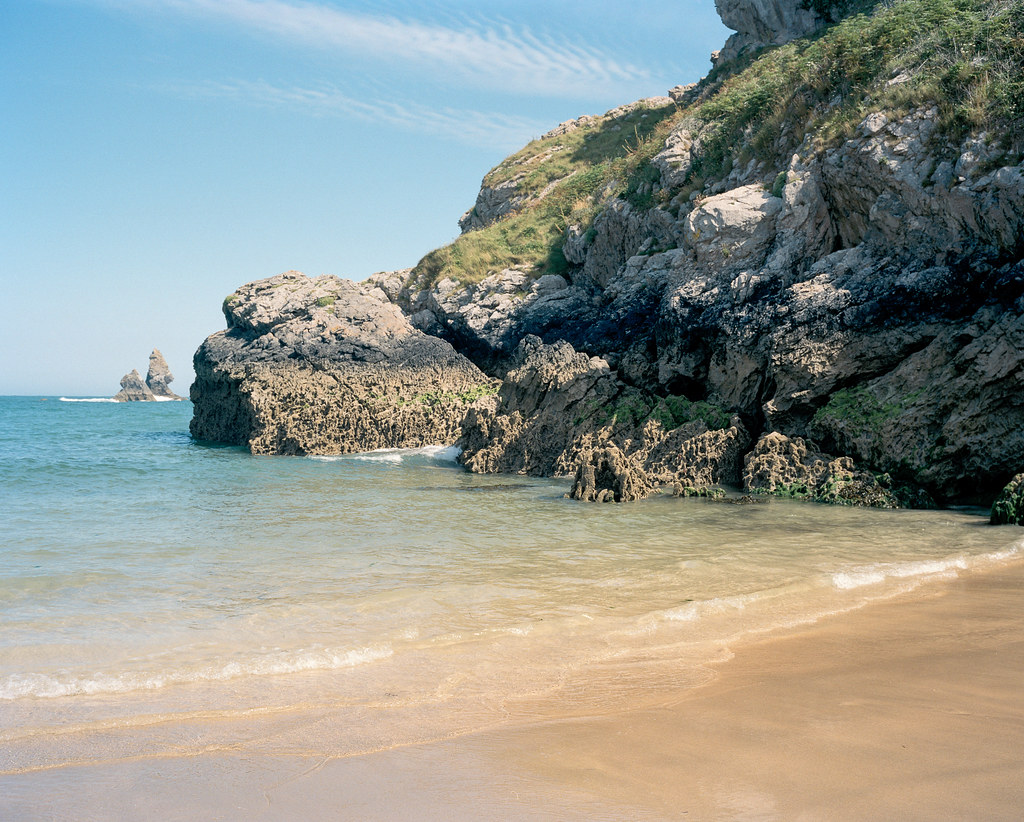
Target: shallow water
{"x":162,"y":597}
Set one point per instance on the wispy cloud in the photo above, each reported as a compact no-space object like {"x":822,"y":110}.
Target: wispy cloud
{"x":488,"y":55}
{"x":475,"y":128}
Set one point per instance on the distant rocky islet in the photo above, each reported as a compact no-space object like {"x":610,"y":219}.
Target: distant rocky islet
{"x":846,"y":326}
{"x":154,"y":388}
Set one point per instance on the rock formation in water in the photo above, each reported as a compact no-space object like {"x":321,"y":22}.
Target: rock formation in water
{"x":134,"y":389}
{"x":159,"y":377}
{"x":607,"y":475}
{"x":155,"y":387}
{"x":326,"y":366}
{"x":803,"y":275}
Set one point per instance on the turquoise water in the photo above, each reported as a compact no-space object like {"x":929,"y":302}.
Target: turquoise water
{"x":158,"y":595}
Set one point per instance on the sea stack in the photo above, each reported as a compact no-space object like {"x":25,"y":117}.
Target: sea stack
{"x":155,"y":387}
{"x":159,"y":377}
{"x":134,"y":389}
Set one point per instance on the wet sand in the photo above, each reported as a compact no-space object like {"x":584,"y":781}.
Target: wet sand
{"x":908,"y":709}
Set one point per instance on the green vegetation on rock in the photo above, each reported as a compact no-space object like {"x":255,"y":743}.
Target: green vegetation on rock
{"x":859,"y":408}
{"x":963,"y":56}
{"x":1008,"y":509}
{"x":432,"y":398}
{"x":634,"y":408}
{"x":583,"y":168}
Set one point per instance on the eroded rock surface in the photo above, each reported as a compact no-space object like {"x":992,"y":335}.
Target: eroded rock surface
{"x":326,"y":366}
{"x":558,"y":407}
{"x":134,"y":388}
{"x":159,"y":376}
{"x":764,"y":23}
{"x":788,"y":467}
{"x":607,"y":475}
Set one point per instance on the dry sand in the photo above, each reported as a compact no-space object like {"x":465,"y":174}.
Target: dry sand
{"x":907,"y":709}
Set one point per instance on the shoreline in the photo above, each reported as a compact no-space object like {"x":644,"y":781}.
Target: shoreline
{"x":906,"y":708}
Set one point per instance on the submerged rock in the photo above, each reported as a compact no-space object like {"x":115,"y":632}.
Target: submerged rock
{"x":1008,"y":509}
{"x":326,"y":366}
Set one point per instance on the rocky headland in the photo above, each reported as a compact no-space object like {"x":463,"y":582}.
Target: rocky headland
{"x":154,"y":388}
{"x":803,"y":275}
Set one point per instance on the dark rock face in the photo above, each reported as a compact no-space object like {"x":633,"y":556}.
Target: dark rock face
{"x":872,"y":301}
{"x":558,"y":408}
{"x":133,"y":389}
{"x":1008,"y":509}
{"x":325,"y":366}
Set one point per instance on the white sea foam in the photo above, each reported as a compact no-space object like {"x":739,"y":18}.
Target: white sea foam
{"x":921,"y":569}
{"x":441,"y":453}
{"x":695,"y":610}
{"x":282,"y":662}
{"x":87,"y":399}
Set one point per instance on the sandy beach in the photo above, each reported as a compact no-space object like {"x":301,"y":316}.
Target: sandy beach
{"x":906,"y":709}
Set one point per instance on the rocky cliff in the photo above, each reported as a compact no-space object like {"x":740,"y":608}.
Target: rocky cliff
{"x":804,"y":274}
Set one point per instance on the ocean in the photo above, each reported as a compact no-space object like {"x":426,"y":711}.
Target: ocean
{"x":162,"y":598}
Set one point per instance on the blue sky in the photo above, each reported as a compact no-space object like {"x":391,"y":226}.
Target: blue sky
{"x":159,"y":153}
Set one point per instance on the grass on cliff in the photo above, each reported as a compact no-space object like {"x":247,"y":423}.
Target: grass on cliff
{"x":580,"y":169}
{"x":964,"y":56}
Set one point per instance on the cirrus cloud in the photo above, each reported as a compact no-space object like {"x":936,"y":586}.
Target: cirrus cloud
{"x":477,"y":54}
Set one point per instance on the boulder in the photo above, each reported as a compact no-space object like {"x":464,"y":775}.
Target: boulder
{"x":326,"y":366}
{"x":787,"y":467}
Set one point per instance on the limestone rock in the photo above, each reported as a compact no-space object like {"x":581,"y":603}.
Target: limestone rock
{"x":1008,"y":509}
{"x":133,"y":389}
{"x":326,"y":366}
{"x":764,"y":22}
{"x":550,"y":406}
{"x":557,"y":404}
{"x":486,"y":320}
{"x":734,"y":230}
{"x":607,"y":475}
{"x":159,"y":376}
{"x":787,"y":467}
{"x":675,"y":160}
{"x":692,"y":456}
